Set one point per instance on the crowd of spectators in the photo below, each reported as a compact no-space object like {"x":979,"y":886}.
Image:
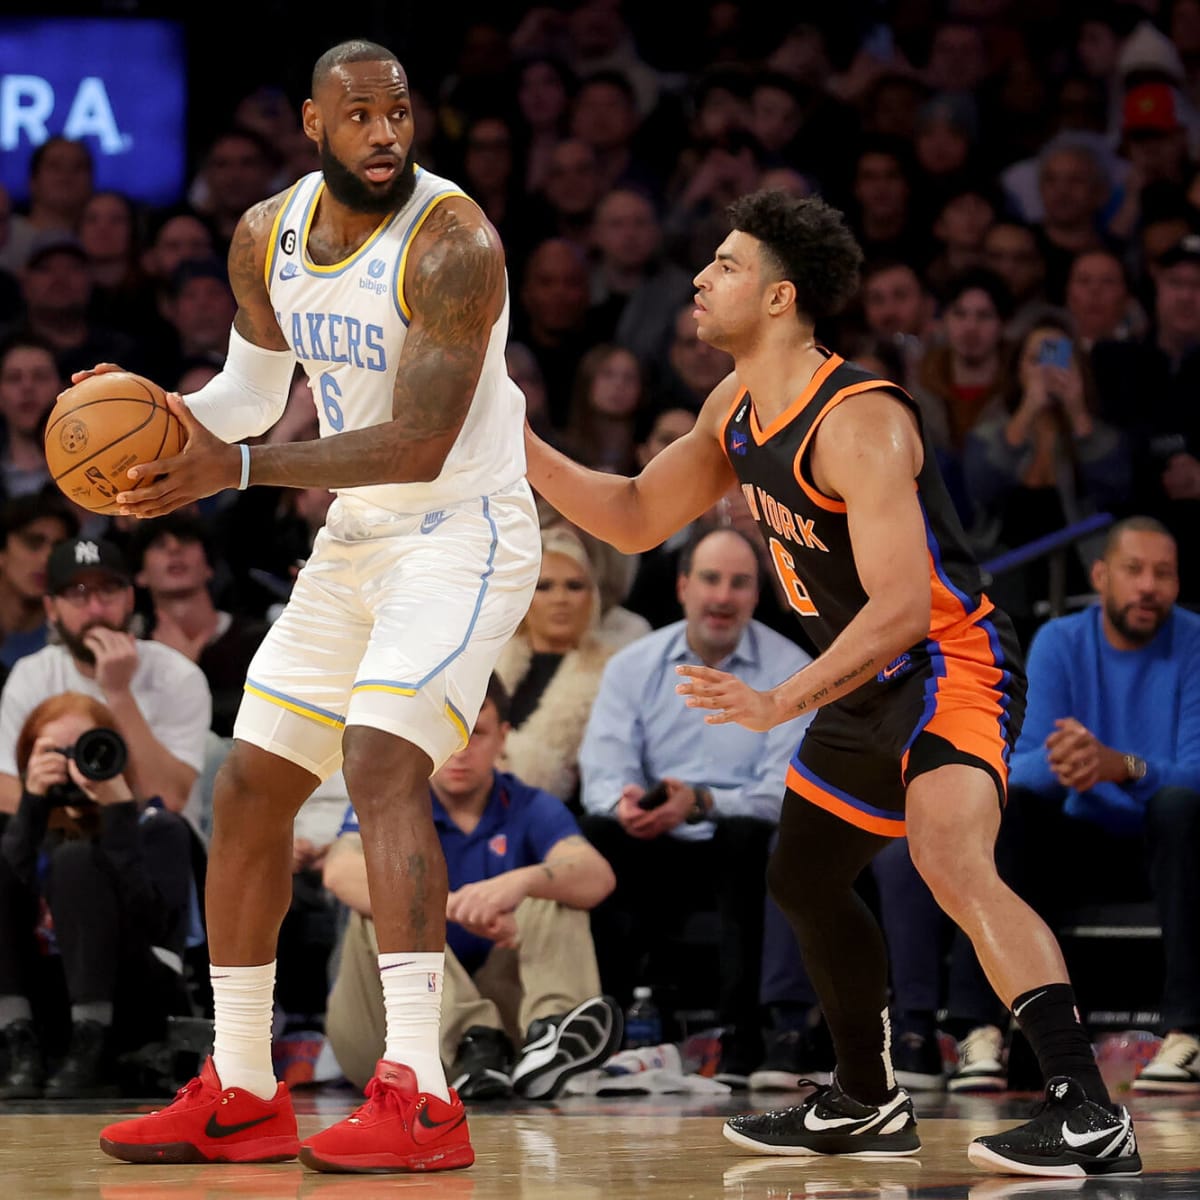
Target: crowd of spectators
{"x":1027,"y":195}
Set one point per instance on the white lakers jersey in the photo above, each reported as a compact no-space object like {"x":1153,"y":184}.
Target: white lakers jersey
{"x":346,"y":324}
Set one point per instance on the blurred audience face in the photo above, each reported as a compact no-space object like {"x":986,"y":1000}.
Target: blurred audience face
{"x":1098,"y":47}
{"x":1138,"y":582}
{"x":95,"y":598}
{"x":616,"y":385}
{"x":973,"y":327}
{"x":698,"y":364}
{"x":524,"y":371}
{"x":626,"y":230}
{"x":941,"y":147}
{"x":1177,"y":301}
{"x":719,"y":594}
{"x":62,"y":181}
{"x":603,"y":116}
{"x":467,"y":774}
{"x":963,"y":221}
{"x":775,"y":117}
{"x":784,"y":179}
{"x":555,"y":291}
{"x":895,"y":301}
{"x":58,"y":286}
{"x":25,"y":553}
{"x":573,"y":178}
{"x":561,"y":609}
{"x":1097,"y":297}
{"x":1071,"y":188}
{"x":29,"y":385}
{"x":542,"y":97}
{"x":203,"y":312}
{"x":106,"y":227}
{"x":238,"y":174}
{"x":670,"y":425}
{"x":880,"y":187}
{"x":174,"y":567}
{"x":958,"y":58}
{"x":487,"y":163}
{"x":181,"y":238}
{"x":1012,"y":252}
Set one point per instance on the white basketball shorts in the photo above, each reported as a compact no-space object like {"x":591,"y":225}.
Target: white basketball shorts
{"x":395,"y":621}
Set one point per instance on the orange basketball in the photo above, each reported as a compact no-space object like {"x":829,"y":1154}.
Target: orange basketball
{"x":100,"y":428}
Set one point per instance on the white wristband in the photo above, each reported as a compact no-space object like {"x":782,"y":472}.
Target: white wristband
{"x":244,"y":482}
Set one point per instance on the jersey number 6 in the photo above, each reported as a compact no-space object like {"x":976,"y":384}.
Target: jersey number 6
{"x":329,"y":402}
{"x":793,"y":585}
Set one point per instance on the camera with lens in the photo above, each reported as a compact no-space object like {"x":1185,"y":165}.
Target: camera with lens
{"x":99,"y":754}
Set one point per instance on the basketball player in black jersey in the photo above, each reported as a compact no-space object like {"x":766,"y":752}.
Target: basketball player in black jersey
{"x":919,"y":685}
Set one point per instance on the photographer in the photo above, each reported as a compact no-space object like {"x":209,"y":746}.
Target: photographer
{"x":93,"y":874}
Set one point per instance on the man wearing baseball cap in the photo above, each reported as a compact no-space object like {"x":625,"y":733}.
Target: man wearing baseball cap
{"x":160,"y":698}
{"x":1154,"y":134}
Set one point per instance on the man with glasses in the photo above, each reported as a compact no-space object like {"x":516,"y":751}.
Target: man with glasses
{"x":160,"y":700}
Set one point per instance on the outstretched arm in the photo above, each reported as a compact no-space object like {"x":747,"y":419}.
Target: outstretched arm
{"x":676,"y":486}
{"x":868,"y":454}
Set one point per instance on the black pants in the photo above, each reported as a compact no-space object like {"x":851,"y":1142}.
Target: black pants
{"x":306,"y":942}
{"x":104,"y":949}
{"x":660,"y":883}
{"x":1162,"y":863}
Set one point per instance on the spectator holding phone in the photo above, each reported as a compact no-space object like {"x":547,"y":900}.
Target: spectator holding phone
{"x":1045,"y":462}
{"x":684,"y":810}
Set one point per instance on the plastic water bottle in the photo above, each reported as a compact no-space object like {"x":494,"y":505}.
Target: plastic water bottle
{"x":643,"y":1025}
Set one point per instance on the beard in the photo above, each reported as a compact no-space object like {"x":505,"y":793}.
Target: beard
{"x":346,"y":187}
{"x":75,"y":644}
{"x":1119,"y":618}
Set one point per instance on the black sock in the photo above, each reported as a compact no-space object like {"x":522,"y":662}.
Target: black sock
{"x":1049,"y":1018}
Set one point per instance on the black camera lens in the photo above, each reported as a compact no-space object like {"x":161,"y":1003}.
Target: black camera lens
{"x":100,"y":754}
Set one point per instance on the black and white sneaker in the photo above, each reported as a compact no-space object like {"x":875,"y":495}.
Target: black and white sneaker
{"x":830,"y":1122}
{"x":1175,"y":1068}
{"x":561,"y":1046}
{"x":1069,"y":1135}
{"x":482,"y":1064}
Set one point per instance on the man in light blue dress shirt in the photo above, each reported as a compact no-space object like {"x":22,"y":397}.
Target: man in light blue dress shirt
{"x":721,"y":788}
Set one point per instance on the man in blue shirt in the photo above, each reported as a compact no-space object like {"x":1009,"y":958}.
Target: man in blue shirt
{"x":1108,"y":766}
{"x":519,"y":955}
{"x":718,"y":789}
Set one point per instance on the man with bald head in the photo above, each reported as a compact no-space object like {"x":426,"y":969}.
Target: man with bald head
{"x":388,"y":284}
{"x":685,"y":808}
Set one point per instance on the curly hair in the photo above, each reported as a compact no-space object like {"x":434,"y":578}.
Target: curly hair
{"x":809,"y":243}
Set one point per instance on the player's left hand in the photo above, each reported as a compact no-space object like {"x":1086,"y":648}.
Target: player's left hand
{"x":728,"y":697}
{"x":206,"y":465}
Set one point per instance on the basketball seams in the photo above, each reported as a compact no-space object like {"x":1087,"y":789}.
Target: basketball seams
{"x":127,"y":434}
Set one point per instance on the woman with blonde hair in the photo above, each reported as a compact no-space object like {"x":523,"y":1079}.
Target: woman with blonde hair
{"x":552,"y":666}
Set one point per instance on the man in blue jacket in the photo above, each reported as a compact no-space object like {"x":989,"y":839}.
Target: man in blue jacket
{"x":1108,"y":765}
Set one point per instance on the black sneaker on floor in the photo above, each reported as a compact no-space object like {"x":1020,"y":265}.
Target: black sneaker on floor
{"x":24,"y":1076}
{"x":740,"y":1054}
{"x":1069,"y":1135}
{"x":792,"y":1055}
{"x":558,"y":1047}
{"x":482,"y":1065}
{"x":917,"y":1062}
{"x":830,"y":1122}
{"x":84,"y":1073}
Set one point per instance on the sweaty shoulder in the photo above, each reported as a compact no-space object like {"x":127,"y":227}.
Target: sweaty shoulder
{"x":871,"y":431}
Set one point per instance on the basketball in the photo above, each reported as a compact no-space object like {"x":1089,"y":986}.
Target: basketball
{"x":100,"y":428}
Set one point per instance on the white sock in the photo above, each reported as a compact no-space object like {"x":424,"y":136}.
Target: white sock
{"x":243,"y":1006}
{"x":412,"y":998}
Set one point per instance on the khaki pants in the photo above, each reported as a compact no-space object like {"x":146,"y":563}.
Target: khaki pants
{"x":552,"y":970}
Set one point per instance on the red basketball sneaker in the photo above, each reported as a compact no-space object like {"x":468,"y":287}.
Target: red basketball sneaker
{"x":398,"y":1129}
{"x":208,"y":1123}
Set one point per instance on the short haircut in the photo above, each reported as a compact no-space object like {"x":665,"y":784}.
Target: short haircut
{"x":809,"y":243}
{"x":353,"y":51}
{"x":182,"y":526}
{"x":1135,"y":524}
{"x":982,"y":280}
{"x":20,"y":512}
{"x":609,"y":78}
{"x":702,"y":532}
{"x":497,"y":693}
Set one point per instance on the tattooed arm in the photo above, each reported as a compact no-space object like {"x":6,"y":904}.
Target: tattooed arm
{"x":455,"y":286}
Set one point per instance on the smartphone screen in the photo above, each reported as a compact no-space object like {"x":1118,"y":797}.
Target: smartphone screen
{"x":1055,"y":352}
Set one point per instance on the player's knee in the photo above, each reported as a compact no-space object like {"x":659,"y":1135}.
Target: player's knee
{"x":253,"y":790}
{"x":383,"y":771}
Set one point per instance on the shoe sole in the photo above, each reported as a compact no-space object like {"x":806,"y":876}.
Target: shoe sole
{"x":786,"y":1081}
{"x":266,"y":1151}
{"x":917,"y":1081}
{"x":780,"y":1151}
{"x":993,"y":1161}
{"x":979,"y":1083}
{"x":455,"y":1158}
{"x":552,"y":1067}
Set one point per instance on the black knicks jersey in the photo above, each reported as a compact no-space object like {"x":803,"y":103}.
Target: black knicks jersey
{"x":808,"y":535}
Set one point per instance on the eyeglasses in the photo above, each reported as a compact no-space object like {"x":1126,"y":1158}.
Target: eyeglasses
{"x":80,"y":593}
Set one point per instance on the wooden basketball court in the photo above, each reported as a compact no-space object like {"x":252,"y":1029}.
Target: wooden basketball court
{"x":653,"y":1148}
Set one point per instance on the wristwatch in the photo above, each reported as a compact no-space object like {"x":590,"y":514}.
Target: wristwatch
{"x":1135,"y":767}
{"x":702,"y":807}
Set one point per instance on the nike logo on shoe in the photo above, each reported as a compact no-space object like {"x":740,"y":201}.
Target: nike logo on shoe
{"x":1083,"y":1141}
{"x":435,"y":1129}
{"x":214,"y":1129}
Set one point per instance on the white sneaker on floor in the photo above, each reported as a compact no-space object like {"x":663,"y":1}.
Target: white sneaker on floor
{"x":1175,"y":1068}
{"x":980,"y":1062}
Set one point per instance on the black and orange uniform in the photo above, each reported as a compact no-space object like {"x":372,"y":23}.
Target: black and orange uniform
{"x":957,"y":696}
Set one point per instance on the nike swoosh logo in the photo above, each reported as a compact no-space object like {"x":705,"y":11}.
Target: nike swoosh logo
{"x":1036,"y":996}
{"x":214,"y":1129}
{"x":435,"y":1129}
{"x":1079,"y":1141}
{"x":812,"y":1121}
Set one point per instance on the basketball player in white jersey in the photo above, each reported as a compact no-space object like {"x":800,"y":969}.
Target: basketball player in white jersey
{"x":388,"y":285}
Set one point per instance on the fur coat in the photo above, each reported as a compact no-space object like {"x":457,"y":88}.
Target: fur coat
{"x":544,"y":751}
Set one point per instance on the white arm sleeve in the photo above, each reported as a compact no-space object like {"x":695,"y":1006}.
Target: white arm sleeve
{"x":250,"y":393}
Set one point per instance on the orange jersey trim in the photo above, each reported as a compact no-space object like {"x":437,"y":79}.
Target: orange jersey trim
{"x":810,"y":790}
{"x":797,"y":406}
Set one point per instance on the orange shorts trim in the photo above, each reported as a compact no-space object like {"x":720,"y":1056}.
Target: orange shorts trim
{"x":842,"y":804}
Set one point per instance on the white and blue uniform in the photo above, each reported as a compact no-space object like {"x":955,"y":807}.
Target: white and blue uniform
{"x":412,"y":589}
